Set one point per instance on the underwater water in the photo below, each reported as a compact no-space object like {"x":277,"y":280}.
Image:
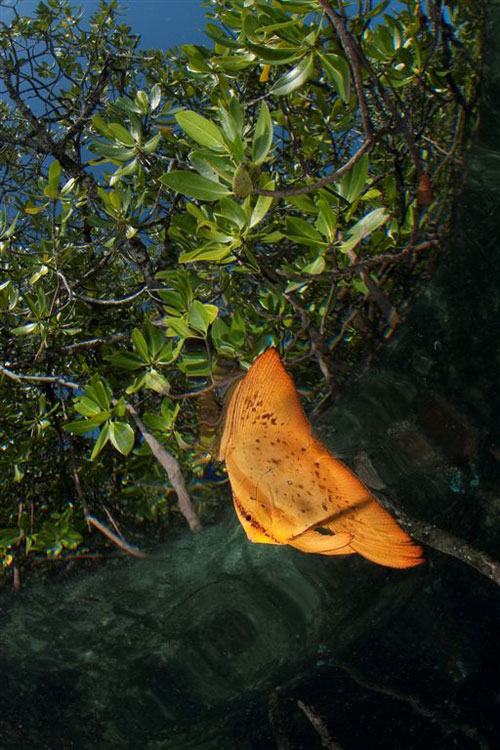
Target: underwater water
{"x":212,"y":642}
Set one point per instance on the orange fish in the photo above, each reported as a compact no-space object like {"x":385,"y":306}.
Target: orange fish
{"x":287,"y":487}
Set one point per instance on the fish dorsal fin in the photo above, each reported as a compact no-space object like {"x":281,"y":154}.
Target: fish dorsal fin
{"x":265,"y":398}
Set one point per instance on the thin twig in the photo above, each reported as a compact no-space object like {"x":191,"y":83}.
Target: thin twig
{"x":111,"y":302}
{"x":121,"y":543}
{"x":38,"y":378}
{"x":72,"y":348}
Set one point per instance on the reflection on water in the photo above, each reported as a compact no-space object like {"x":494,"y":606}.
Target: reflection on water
{"x":191,"y":648}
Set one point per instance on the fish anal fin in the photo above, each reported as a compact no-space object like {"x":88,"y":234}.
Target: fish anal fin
{"x":323,"y":544}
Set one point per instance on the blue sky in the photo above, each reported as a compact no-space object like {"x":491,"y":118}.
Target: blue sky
{"x":160,"y":23}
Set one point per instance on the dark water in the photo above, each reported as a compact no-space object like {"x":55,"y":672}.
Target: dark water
{"x":211,"y":642}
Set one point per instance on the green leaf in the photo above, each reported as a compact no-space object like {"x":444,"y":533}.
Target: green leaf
{"x":140,"y":344}
{"x":9,"y":537}
{"x":262,"y":205}
{"x":30,"y":209}
{"x":86,"y":426}
{"x":242,"y":182}
{"x":354,"y":182}
{"x":155,"y":339}
{"x":295,"y":78}
{"x":42,"y":271}
{"x":99,"y":391}
{"x":173,"y":300}
{"x":54,"y":173}
{"x":155,"y":96}
{"x":142,"y":101}
{"x":68,"y":186}
{"x":101,"y":441}
{"x":116,"y":153}
{"x":263,"y":136}
{"x":177,"y":327}
{"x":100,"y":125}
{"x":316,"y":267}
{"x":229,"y":124}
{"x":211,"y":166}
{"x":86,"y":406}
{"x":25,"y":330}
{"x":193,"y":185}
{"x":125,"y":360}
{"x":156,"y":382}
{"x":122,"y":437}
{"x":299,"y":230}
{"x":150,"y":146}
{"x":217,"y":35}
{"x":210,"y":251}
{"x":338,"y":73}
{"x":233,"y":212}
{"x":327,"y":219}
{"x":201,"y":316}
{"x":364,"y":227}
{"x":201,"y":130}
{"x":120,"y":134}
{"x":268,"y":54}
{"x":137,"y":384}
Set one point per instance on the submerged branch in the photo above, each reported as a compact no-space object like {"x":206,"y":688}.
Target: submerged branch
{"x":320,"y":727}
{"x":449,"y":544}
{"x":444,"y":721}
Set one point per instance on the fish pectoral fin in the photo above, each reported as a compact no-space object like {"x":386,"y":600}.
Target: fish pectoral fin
{"x":323,"y":544}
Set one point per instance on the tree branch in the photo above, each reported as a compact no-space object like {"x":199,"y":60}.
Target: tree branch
{"x":324,"y":181}
{"x":171,"y":466}
{"x":346,"y":40}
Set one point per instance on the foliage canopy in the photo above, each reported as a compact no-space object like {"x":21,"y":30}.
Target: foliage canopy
{"x":284,"y":185}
